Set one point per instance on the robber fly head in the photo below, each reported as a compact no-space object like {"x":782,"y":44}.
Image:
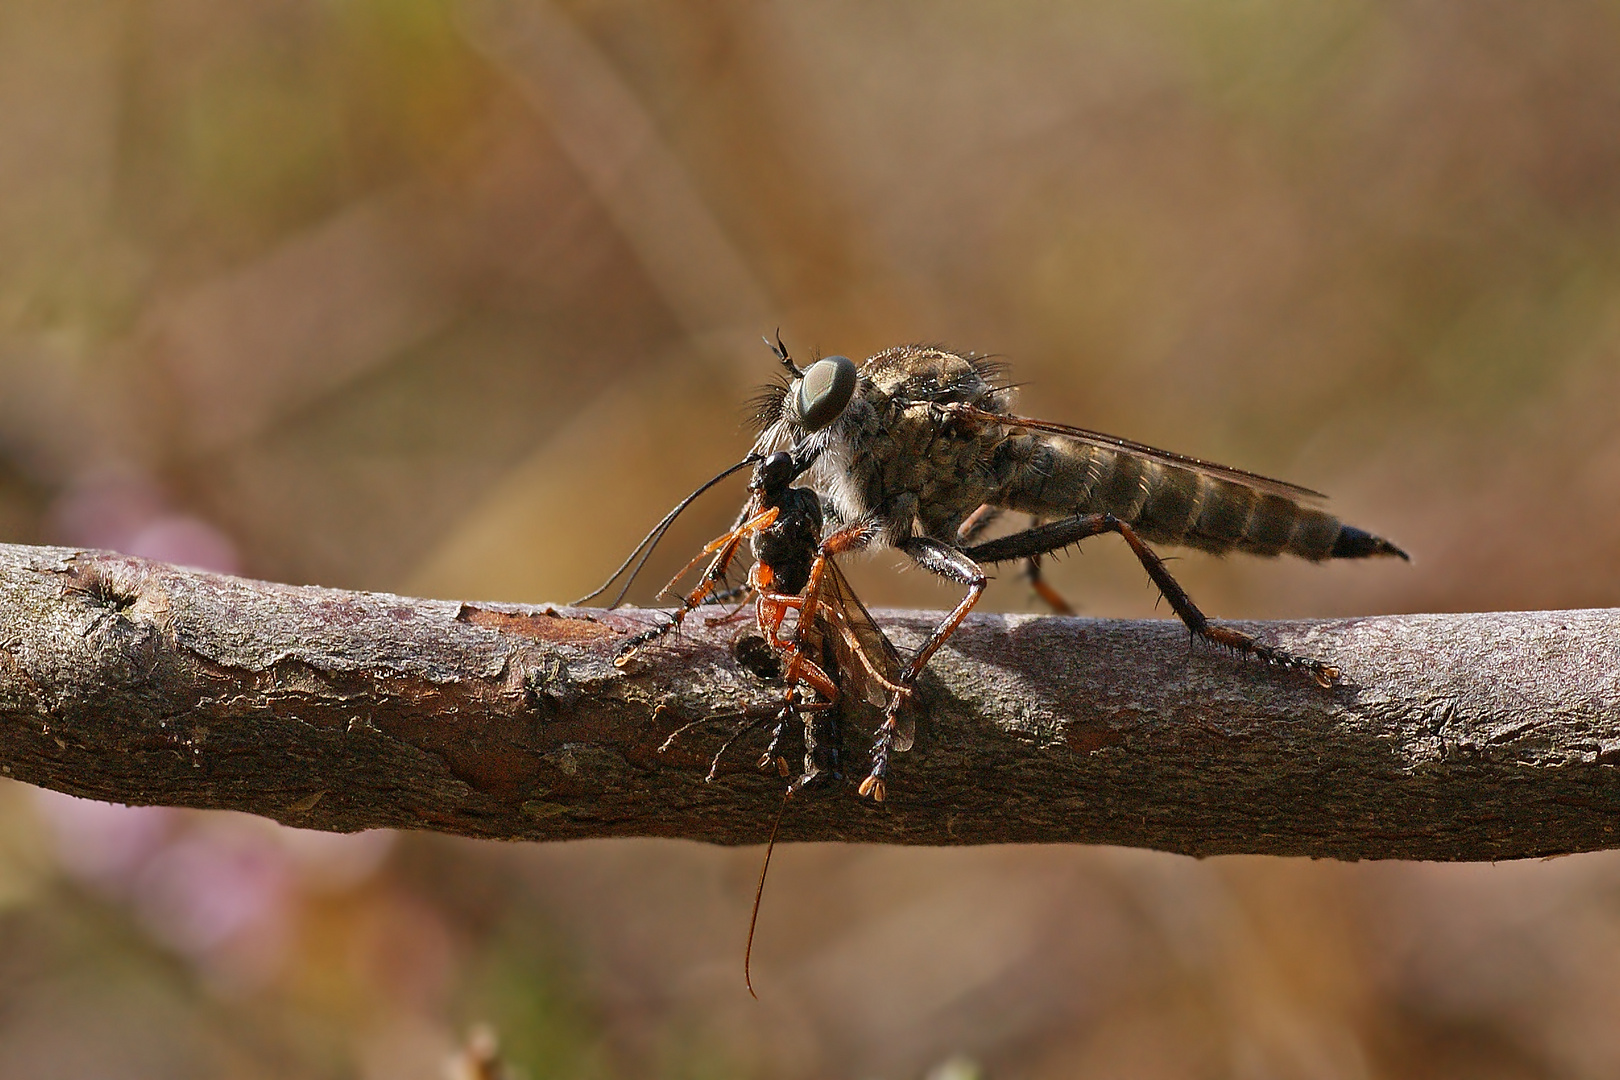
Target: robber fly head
{"x":810,"y":398}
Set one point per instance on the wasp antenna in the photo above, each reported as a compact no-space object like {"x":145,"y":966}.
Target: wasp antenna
{"x":781,"y":353}
{"x":643,"y":551}
{"x":759,"y":891}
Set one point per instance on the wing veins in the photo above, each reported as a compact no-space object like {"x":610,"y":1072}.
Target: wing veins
{"x":1114,"y":442}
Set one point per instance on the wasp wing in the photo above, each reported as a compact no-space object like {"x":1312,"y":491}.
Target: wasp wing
{"x":1129,"y":446}
{"x":868,"y":663}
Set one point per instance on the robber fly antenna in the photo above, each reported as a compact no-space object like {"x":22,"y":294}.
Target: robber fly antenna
{"x":644,"y":549}
{"x":759,"y":891}
{"x":780,"y":350}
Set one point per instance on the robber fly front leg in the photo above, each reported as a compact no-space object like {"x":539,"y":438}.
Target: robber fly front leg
{"x":947,"y":562}
{"x":1060,"y":534}
{"x":950,"y":563}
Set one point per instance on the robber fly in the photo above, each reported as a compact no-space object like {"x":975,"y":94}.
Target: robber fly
{"x":834,"y":650}
{"x":917,"y":449}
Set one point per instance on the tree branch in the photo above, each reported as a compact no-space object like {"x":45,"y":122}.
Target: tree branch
{"x":1453,"y":737}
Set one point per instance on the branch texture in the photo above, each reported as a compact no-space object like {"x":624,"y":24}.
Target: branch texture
{"x":1453,"y":737}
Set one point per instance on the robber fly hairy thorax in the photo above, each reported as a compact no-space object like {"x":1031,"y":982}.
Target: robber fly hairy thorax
{"x":920,"y":449}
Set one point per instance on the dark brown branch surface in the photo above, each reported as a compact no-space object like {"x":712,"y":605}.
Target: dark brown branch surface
{"x":1453,"y":737}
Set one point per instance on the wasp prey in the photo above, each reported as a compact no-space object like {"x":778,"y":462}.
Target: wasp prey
{"x":833,"y":651}
{"x":918,"y":449}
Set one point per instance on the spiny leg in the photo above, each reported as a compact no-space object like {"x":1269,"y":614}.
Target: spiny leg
{"x":1059,"y":534}
{"x":947,"y":562}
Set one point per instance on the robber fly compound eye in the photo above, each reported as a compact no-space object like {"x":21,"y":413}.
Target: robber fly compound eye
{"x":819,"y":398}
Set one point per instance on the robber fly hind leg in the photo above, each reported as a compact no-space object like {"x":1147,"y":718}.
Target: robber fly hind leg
{"x":1060,"y":534}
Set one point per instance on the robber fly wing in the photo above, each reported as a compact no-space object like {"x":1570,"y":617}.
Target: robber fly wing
{"x":1130,"y":446}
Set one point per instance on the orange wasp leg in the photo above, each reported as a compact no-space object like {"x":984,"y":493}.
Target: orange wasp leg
{"x":724,"y":549}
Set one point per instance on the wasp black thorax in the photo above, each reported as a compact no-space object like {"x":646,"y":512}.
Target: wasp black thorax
{"x":786,"y":548}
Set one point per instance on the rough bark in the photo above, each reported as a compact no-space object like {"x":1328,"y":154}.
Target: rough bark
{"x":1455,"y":737}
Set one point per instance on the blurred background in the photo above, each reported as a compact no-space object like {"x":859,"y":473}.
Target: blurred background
{"x":456,"y":298}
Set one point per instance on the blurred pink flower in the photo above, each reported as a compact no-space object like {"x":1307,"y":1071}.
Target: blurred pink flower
{"x":223,"y":898}
{"x":221,"y":890}
{"x":184,"y":541}
{"x":102,"y":844}
{"x":124,"y":509}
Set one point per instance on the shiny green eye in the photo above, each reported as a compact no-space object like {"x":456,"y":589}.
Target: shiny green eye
{"x":820,"y":397}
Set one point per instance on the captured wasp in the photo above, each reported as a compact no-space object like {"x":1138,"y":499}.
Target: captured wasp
{"x":918,"y":449}
{"x":835,"y":652}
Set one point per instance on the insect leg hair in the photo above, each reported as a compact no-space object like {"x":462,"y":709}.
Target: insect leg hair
{"x":974,"y":527}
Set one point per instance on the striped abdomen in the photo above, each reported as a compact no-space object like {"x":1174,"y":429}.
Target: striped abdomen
{"x":1172,"y":503}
